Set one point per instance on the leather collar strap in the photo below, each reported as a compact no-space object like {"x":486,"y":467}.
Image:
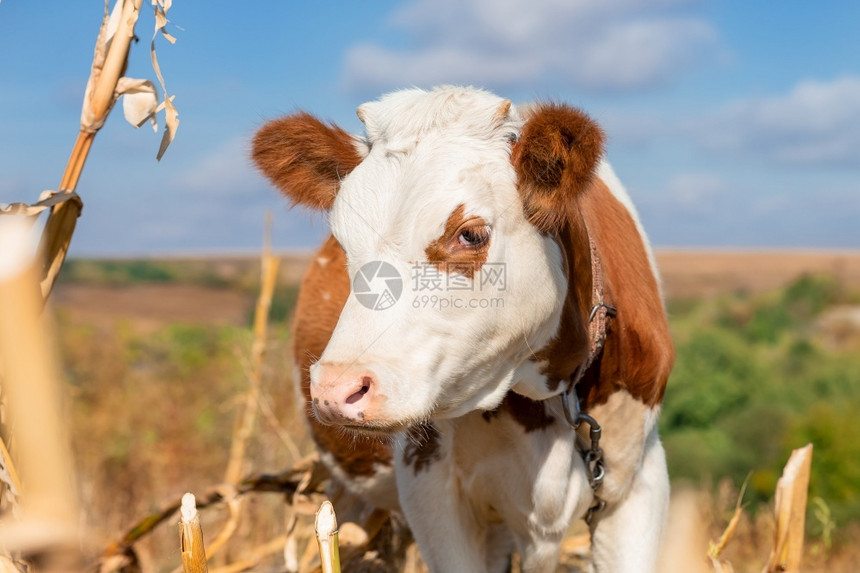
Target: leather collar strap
{"x":598,"y":319}
{"x":598,"y":322}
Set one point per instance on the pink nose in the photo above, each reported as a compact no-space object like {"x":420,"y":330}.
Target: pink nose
{"x":342,"y":393}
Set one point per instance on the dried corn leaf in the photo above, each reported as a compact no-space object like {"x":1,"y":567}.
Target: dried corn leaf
{"x":9,"y":566}
{"x":140,"y":97}
{"x":715,"y":548}
{"x":19,"y":240}
{"x":56,"y":235}
{"x":47,"y":200}
{"x":139,"y":101}
{"x":171,"y":115}
{"x":161,"y":9}
{"x":8,"y":475}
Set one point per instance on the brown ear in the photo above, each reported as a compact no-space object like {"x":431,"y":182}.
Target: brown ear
{"x":555,"y":158}
{"x":305,"y":158}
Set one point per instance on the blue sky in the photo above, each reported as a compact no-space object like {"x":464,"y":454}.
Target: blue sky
{"x":732,"y":123}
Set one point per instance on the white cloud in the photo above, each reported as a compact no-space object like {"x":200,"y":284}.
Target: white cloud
{"x":816,"y":123}
{"x":691,"y":190}
{"x":706,"y":209}
{"x":688,"y":197}
{"x":225,"y":171}
{"x":635,"y":128}
{"x":615,"y":44}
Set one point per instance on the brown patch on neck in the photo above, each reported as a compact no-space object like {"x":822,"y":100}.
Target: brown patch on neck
{"x":449,"y":255}
{"x":569,"y":348}
{"x":638,"y":354}
{"x":423,"y":446}
{"x":528,"y":413}
{"x":315,"y":319}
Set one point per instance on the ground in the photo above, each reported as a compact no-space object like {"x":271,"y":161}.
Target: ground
{"x":686,"y":274}
{"x":170,"y":337}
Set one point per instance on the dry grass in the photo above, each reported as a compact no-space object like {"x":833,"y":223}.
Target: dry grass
{"x":702,"y":274}
{"x":154,"y":404}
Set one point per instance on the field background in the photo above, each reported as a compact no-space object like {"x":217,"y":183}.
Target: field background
{"x":156,"y":357}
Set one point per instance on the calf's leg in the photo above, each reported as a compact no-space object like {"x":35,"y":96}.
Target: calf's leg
{"x":626,"y":535}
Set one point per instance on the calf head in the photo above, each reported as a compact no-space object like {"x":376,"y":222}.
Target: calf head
{"x":449,"y":212}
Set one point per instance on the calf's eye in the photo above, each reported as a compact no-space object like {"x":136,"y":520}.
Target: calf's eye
{"x":473,"y":236}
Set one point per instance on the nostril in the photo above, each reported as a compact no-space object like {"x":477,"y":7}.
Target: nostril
{"x":365,"y":387}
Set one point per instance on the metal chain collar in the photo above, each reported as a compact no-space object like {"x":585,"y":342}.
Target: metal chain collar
{"x":593,"y":456}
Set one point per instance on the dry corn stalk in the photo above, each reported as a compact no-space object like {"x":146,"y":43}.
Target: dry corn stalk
{"x":49,"y":514}
{"x":714,"y":549}
{"x":191,"y":537}
{"x":109,"y":63}
{"x":685,"y":539}
{"x":257,"y":554}
{"x":304,"y":479}
{"x":105,"y":85}
{"x":245,"y":422}
{"x":325,"y":528}
{"x":790,"y":513}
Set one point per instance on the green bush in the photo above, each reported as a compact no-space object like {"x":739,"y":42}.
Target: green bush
{"x":117,"y":272}
{"x":753,"y":381}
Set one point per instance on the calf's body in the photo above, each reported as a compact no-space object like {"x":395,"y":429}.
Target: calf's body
{"x":452,"y":413}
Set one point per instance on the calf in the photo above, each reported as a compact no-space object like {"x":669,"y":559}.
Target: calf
{"x":487,"y":278}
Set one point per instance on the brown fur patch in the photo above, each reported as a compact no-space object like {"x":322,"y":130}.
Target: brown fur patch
{"x":639,"y":354}
{"x":529,"y":414}
{"x":448,"y":255}
{"x":569,"y":347}
{"x":555,"y":158}
{"x":422,"y":446}
{"x":315,"y":319}
{"x":305,"y":158}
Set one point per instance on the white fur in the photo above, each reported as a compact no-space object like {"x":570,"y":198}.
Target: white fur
{"x":495,"y":488}
{"x":627,"y":536}
{"x":493,"y":475}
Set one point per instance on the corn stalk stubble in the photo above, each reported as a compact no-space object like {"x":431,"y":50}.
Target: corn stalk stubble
{"x":191,"y":537}
{"x":325,"y":528}
{"x":790,"y":511}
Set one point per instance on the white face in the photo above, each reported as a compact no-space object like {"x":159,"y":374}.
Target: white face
{"x":435,"y":198}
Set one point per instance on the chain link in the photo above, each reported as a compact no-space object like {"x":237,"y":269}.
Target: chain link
{"x":593,"y":456}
